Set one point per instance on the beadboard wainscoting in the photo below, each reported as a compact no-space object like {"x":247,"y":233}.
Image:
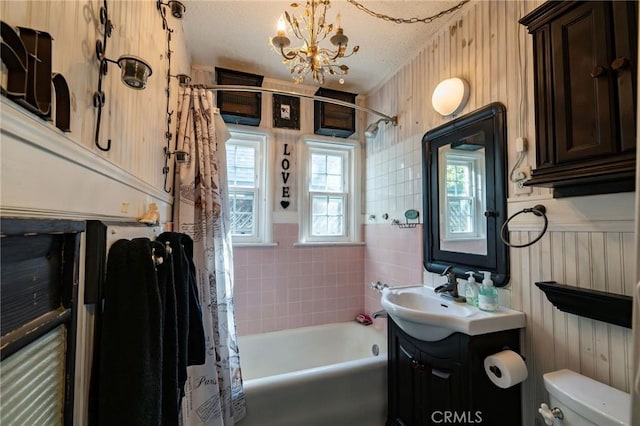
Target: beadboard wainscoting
{"x":600,"y":260}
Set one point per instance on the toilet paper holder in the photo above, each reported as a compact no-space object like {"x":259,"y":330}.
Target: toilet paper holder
{"x":505,"y":368}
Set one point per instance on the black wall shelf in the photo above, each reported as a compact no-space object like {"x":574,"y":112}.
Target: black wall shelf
{"x":599,"y":305}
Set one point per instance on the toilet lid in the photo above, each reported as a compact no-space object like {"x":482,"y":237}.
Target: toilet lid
{"x":601,"y":404}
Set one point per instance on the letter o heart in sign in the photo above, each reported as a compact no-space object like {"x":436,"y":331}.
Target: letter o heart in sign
{"x":284,"y":204}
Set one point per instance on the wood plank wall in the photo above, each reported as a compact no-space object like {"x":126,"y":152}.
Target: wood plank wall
{"x":590,"y":242}
{"x":75,"y":27}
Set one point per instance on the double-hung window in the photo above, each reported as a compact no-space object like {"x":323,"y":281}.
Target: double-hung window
{"x":463,"y":195}
{"x":329,"y":196}
{"x":247,"y":172}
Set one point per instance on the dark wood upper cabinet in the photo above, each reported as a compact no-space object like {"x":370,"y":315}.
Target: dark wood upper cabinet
{"x":331,"y":119}
{"x":585,"y":65}
{"x":239,"y":107}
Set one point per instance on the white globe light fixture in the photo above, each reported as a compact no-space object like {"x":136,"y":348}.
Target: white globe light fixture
{"x":450,"y":96}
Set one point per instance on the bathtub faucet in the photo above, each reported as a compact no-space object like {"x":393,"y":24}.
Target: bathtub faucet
{"x":379,"y":314}
{"x":378,"y":286}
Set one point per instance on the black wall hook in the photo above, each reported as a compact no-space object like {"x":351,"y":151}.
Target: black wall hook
{"x":98,"y":96}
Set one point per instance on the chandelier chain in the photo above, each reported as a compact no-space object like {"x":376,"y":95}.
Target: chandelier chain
{"x":426,"y":20}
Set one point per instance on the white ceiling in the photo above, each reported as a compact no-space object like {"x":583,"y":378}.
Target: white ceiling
{"x":236,"y":34}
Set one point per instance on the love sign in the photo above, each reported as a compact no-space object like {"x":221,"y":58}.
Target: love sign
{"x":285,"y":176}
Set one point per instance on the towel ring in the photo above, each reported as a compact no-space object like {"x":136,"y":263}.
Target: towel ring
{"x":538,"y":210}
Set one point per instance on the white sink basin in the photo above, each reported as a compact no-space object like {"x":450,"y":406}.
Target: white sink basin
{"x":427,"y":316}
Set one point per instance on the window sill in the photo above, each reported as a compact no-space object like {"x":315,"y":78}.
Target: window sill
{"x":328,"y":244}
{"x":254,"y":244}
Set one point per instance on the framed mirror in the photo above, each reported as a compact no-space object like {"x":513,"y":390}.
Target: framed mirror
{"x":465,"y":196}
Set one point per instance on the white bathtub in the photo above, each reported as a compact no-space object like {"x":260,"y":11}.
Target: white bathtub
{"x":320,"y":375}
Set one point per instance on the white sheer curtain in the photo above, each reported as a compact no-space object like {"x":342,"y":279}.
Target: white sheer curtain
{"x":214,"y":394}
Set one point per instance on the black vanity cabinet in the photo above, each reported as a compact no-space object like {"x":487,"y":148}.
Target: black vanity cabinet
{"x":585,"y":65}
{"x":432,"y":381}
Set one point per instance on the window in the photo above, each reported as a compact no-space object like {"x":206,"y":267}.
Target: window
{"x":249,"y":198}
{"x":329,"y":200}
{"x":463,"y":200}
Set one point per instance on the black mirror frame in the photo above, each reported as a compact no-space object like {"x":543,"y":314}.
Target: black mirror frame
{"x":497,"y":258}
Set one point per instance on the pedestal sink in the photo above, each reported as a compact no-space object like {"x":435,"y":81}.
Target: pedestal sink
{"x":427,"y":316}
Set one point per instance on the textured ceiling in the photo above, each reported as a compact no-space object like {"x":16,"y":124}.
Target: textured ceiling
{"x":235,"y":35}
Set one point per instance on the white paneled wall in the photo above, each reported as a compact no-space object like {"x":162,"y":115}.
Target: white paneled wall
{"x":135,"y":120}
{"x":590,"y":242}
{"x":553,"y":339}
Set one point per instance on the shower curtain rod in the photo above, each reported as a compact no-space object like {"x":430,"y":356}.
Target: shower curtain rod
{"x":238,"y":88}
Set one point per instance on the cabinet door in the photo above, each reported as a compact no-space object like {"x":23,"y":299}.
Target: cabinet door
{"x":624,"y":68}
{"x":582,"y":84}
{"x":442,"y":391}
{"x":406,"y":394}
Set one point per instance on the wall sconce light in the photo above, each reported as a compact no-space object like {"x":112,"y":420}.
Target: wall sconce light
{"x":135,"y":71}
{"x":177,"y":8}
{"x":182,"y":157}
{"x":372,"y":129}
{"x":450,"y":96}
{"x":183,"y":79}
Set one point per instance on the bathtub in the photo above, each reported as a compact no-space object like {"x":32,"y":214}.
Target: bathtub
{"x":319,"y":375}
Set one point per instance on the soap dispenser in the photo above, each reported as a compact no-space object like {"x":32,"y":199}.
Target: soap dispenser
{"x":488,"y":294}
{"x":471,"y":290}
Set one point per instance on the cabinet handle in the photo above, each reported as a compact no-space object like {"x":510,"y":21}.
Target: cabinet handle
{"x":491,"y":213}
{"x":440,"y":373}
{"x":620,"y":63}
{"x":597,"y":71}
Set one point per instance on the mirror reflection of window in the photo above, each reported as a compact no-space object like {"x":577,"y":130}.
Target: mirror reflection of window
{"x":461,"y":200}
{"x":462,"y":195}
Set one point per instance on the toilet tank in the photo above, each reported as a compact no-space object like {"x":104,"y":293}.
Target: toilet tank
{"x":585,"y":401}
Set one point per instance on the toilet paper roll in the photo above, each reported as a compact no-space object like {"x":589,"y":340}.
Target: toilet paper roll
{"x":505,"y":369}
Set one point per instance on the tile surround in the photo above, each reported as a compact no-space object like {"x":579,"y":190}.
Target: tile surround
{"x":288,"y":287}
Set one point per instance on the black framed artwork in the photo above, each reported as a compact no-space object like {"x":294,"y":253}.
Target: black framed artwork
{"x":286,"y":112}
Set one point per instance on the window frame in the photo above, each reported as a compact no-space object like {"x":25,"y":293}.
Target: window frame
{"x":263,"y":198}
{"x":350,"y":150}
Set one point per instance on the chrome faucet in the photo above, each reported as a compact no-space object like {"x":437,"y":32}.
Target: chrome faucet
{"x":379,"y":314}
{"x":450,"y":288}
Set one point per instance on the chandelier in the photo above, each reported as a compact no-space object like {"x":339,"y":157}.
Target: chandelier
{"x":312,"y":28}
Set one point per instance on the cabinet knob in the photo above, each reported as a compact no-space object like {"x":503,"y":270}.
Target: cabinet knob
{"x":620,"y":63}
{"x":597,"y":71}
{"x":416,"y":365}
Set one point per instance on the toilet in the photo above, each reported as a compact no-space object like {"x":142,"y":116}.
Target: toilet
{"x":584,"y":401}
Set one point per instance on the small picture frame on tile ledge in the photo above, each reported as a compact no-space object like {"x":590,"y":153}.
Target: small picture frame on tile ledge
{"x":286,"y":112}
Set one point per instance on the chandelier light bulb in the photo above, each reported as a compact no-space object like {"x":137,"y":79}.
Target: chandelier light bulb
{"x":282,"y":27}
